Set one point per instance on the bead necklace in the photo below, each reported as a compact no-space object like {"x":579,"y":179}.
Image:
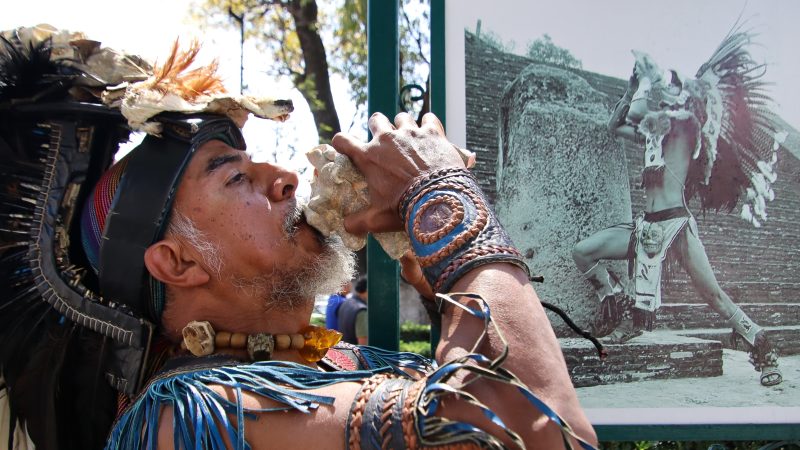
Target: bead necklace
{"x":312,"y":342}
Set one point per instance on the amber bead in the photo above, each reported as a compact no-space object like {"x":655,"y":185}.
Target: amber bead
{"x":317,"y":342}
{"x":238,"y":340}
{"x":223,"y":339}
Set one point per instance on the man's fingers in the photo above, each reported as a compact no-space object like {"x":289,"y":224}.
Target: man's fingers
{"x":378,"y":124}
{"x":429,"y":120}
{"x":410,"y":270}
{"x":467,"y":156}
{"x":404,"y":120}
{"x":348,"y":146}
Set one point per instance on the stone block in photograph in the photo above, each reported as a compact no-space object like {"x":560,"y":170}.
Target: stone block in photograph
{"x":561,"y":177}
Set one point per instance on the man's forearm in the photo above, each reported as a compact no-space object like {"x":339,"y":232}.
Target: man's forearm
{"x":533,"y":351}
{"x":459,"y":245}
{"x":462,"y":247}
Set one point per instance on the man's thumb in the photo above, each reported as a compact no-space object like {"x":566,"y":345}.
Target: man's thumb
{"x":371,"y":220}
{"x":358,"y":222}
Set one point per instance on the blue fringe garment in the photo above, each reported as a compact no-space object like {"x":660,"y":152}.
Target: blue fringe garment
{"x":201,"y":416}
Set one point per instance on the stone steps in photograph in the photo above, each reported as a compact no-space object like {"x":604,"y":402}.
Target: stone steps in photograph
{"x":786,"y":339}
{"x":655,"y":355}
{"x":681,"y":291}
{"x":679,"y":316}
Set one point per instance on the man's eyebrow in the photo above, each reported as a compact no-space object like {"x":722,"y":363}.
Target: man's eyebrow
{"x":215,"y":163}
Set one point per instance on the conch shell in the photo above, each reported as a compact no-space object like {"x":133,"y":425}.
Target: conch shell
{"x":339,"y":189}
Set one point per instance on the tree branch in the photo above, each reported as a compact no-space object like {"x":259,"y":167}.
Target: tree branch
{"x":316,"y":87}
{"x":417,"y":38}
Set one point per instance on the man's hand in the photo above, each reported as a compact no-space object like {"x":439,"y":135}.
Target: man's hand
{"x":396,"y":155}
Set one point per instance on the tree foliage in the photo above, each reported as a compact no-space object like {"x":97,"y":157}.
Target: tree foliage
{"x":350,"y":48}
{"x":493,"y":40}
{"x":308,"y":41}
{"x":543,"y":49}
{"x":290,"y":32}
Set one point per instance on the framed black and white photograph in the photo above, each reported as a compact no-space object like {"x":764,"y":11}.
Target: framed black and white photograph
{"x":645,"y":158}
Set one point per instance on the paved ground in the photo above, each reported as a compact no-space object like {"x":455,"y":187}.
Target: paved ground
{"x":737,"y":387}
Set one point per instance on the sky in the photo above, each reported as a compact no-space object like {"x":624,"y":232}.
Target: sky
{"x":148,"y":28}
{"x":679,"y":34}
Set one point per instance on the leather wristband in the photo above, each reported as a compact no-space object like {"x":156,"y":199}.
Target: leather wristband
{"x":452,"y":228}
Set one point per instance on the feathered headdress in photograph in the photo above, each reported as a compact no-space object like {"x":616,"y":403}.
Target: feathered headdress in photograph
{"x":737,"y":132}
{"x":740,"y":136}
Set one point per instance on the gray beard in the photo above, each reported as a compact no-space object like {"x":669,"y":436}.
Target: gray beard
{"x":288,"y":290}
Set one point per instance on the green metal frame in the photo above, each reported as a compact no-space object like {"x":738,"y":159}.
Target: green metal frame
{"x":382,"y":92}
{"x":698,"y":432}
{"x":438,"y":69}
{"x":620,"y":432}
{"x":437,"y":93}
{"x":383,"y":83}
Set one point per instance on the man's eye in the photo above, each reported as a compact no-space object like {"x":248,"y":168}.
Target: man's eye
{"x":236,"y":179}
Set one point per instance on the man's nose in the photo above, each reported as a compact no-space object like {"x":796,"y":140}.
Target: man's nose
{"x":281,"y":183}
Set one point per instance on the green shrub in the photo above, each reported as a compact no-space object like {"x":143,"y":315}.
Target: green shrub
{"x":317,"y":320}
{"x":421,"y":347}
{"x":410,"y":331}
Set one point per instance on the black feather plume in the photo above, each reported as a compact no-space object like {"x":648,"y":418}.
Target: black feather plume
{"x":53,"y":367}
{"x":27,"y":73}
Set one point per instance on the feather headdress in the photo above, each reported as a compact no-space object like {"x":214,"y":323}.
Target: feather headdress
{"x":178,"y":87}
{"x":52,"y":365}
{"x":42,"y":63}
{"x":739,"y":134}
{"x":67,"y":351}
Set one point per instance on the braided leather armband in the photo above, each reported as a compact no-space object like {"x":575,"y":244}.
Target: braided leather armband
{"x":382,"y":415}
{"x":452,"y":227}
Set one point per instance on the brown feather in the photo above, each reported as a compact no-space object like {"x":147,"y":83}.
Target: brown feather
{"x":174,"y":75}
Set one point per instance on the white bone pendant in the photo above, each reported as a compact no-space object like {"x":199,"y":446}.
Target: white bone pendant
{"x":199,"y":338}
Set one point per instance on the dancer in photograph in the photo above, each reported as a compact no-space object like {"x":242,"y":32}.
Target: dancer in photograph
{"x":711,"y":137}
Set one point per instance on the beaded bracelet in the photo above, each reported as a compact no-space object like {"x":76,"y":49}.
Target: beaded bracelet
{"x":452,"y":228}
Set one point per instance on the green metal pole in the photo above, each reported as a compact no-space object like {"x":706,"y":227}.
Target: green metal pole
{"x":438,"y":104}
{"x":438,"y":72}
{"x":383,"y":82}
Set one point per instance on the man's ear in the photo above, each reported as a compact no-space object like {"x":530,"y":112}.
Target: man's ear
{"x":168,"y":262}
